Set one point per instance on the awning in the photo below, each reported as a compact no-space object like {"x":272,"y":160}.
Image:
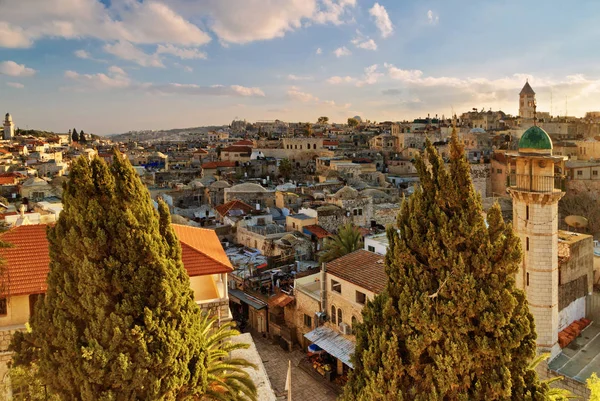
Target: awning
{"x":247,"y":299}
{"x":333,"y":343}
{"x":262,"y":266}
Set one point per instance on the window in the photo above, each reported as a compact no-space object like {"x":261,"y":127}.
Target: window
{"x":300,"y":147}
{"x":293,"y":225}
{"x":360,"y":212}
{"x":371,"y":248}
{"x":579,"y":172}
{"x":498,"y":171}
{"x":361,"y":298}
{"x":527,"y":212}
{"x":355,"y":212}
{"x":3,"y":307}
{"x":595,"y":172}
{"x":527,"y":243}
{"x":527,"y":279}
{"x":336,"y":286}
{"x":307,"y":321}
{"x":315,"y":146}
{"x":339,"y":320}
{"x":333,"y":314}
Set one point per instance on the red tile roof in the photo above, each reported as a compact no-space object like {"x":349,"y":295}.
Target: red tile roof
{"x":363,"y":268}
{"x":318,"y":231}
{"x":211,"y":165}
{"x":237,"y":149}
{"x":224,"y":209}
{"x":27,"y":261}
{"x":202,"y":252}
{"x":201,"y":152}
{"x":330,"y":143}
{"x":8,"y":181}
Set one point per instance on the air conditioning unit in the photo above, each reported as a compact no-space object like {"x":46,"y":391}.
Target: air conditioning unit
{"x":345,"y":329}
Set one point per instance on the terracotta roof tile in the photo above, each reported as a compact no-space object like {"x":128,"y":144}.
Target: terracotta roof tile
{"x":211,"y":165}
{"x":317,"y":230}
{"x":224,"y":209}
{"x":363,"y":268}
{"x":27,"y":261}
{"x":237,"y":149}
{"x":202,"y":252}
{"x":8,"y":181}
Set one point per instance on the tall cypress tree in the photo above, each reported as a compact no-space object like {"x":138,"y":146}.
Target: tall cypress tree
{"x":451,"y":325}
{"x":74,"y":135}
{"x":119,"y":321}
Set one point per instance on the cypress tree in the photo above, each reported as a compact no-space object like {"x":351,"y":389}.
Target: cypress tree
{"x":74,"y":136}
{"x":451,"y":324}
{"x":118,"y":321}
{"x":82,"y":137}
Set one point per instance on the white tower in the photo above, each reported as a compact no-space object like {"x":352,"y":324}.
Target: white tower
{"x":526,"y":102}
{"x":535,"y":185}
{"x":9,"y":127}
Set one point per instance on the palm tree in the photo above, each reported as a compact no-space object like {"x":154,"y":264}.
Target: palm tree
{"x":554,"y":393}
{"x":347,"y":240}
{"x":227,"y":379}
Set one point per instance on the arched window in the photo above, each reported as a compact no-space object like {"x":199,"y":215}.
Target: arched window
{"x":339,"y":316}
{"x":315,"y":146}
{"x":333,"y":314}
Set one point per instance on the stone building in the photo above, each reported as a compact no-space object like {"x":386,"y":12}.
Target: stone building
{"x":252,"y":194}
{"x":9,"y":128}
{"x":215,"y":192}
{"x":535,"y":193}
{"x":526,"y":102}
{"x":358,"y":207}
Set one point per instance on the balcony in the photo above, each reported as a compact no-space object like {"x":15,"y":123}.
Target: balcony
{"x":536,"y":183}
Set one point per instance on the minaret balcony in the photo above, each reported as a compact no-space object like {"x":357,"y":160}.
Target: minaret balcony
{"x":536,"y":183}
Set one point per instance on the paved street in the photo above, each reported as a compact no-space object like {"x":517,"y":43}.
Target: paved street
{"x":304,"y":386}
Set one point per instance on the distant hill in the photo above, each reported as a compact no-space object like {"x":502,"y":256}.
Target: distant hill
{"x":175,"y":134}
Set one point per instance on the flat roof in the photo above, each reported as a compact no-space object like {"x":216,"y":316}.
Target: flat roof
{"x":579,"y":359}
{"x":300,"y":216}
{"x":571,"y":237}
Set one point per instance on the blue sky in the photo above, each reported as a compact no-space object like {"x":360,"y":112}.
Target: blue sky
{"x":120,"y":65}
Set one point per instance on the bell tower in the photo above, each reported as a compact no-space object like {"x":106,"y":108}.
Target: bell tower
{"x":536,"y":184}
{"x":9,"y":127}
{"x":526,"y":102}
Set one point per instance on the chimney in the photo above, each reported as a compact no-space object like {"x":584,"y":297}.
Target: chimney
{"x":323,"y":288}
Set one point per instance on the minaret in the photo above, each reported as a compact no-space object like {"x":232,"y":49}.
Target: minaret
{"x":9,"y":127}
{"x":536,"y":185}
{"x":526,"y":101}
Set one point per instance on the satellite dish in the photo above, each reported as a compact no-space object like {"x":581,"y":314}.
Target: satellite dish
{"x":576,"y":221}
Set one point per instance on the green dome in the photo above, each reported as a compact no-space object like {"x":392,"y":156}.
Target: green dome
{"x":535,"y":138}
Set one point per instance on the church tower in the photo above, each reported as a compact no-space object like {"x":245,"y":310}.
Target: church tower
{"x":526,"y":102}
{"x":9,"y":127}
{"x":536,"y":185}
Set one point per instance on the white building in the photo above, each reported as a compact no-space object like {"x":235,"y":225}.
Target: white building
{"x":9,"y":127}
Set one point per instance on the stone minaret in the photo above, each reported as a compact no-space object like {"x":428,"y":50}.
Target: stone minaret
{"x":526,"y":102}
{"x":9,"y":127}
{"x":536,"y":185}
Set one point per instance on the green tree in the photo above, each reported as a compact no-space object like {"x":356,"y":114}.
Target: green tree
{"x":118,"y":321}
{"x":82,"y":137}
{"x":285,"y":168}
{"x":323,"y":120}
{"x":308,"y":129}
{"x":74,"y":136}
{"x":347,"y":240}
{"x":451,"y":324}
{"x":352,"y":122}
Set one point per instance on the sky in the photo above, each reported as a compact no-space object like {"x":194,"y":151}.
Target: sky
{"x":114,"y":66}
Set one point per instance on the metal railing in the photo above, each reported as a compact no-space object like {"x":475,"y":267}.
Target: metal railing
{"x":536,"y":183}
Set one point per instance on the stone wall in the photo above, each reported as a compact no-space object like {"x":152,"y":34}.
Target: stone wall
{"x":386,"y":213}
{"x":304,"y":305}
{"x":480,"y":174}
{"x":331,"y":219}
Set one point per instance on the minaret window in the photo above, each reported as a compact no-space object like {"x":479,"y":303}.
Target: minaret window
{"x":527,"y":279}
{"x":527,"y":212}
{"x":527,"y":243}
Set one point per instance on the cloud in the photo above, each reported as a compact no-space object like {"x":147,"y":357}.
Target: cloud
{"x":295,"y":94}
{"x":367,"y":44}
{"x":319,"y":50}
{"x":371,"y":76}
{"x":293,"y":77}
{"x":147,"y":22}
{"x":126,"y":51}
{"x":182,"y":53}
{"x":116,"y":78}
{"x":214,"y":90}
{"x":432,"y":19}
{"x":342,"y":51}
{"x":13,"y":69}
{"x":382,"y":20}
{"x":186,"y":68}
{"x":82,"y":54}
{"x":330,"y":11}
{"x":16,"y":85}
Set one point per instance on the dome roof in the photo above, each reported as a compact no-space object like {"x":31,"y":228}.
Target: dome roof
{"x":346,"y":193}
{"x":374,"y":193}
{"x":247,"y":187}
{"x":196,"y":184}
{"x":35,"y":181}
{"x":220,"y":184}
{"x":477,"y":131}
{"x":535,"y":138}
{"x":8,"y":117}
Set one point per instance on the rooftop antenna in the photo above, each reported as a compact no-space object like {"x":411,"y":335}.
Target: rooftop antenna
{"x":566,"y":107}
{"x":551,"y":112}
{"x":534,"y":112}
